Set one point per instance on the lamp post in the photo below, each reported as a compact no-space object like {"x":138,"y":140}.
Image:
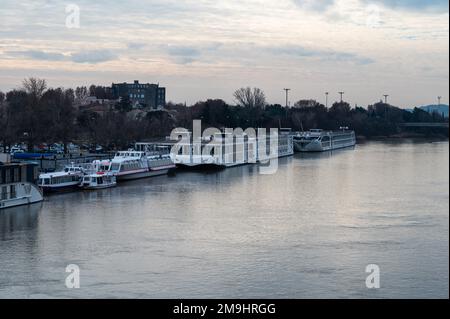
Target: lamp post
{"x":287,"y":97}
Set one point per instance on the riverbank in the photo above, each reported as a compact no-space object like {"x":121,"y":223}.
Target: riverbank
{"x":404,"y":136}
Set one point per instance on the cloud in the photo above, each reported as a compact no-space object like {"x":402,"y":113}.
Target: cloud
{"x":38,"y":55}
{"x":188,"y":54}
{"x":92,"y":57}
{"x":324,"y":55}
{"x":136,"y":45}
{"x":96,"y":56}
{"x":440,"y":6}
{"x":314,"y":5}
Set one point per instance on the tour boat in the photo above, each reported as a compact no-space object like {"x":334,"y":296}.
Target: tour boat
{"x":69,"y":178}
{"x":130,"y":165}
{"x":98,"y":180}
{"x":17,"y":185}
{"x":99,"y":176}
{"x":317,"y":140}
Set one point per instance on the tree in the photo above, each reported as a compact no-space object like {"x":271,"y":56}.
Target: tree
{"x":124,"y":105}
{"x":2,"y":97}
{"x":246,"y":97}
{"x":59,"y":115}
{"x":34,"y":87}
{"x":16,"y":116}
{"x":81,"y":93}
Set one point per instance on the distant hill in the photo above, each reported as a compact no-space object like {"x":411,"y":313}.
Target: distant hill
{"x":441,"y":109}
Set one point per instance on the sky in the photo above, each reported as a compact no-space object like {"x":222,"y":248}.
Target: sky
{"x":200,"y":49}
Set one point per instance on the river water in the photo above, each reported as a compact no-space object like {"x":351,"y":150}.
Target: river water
{"x":308,"y":231}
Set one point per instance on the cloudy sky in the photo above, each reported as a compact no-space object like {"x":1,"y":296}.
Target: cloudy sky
{"x":203,"y":49}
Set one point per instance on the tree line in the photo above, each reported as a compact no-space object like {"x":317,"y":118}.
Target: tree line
{"x":35,"y":114}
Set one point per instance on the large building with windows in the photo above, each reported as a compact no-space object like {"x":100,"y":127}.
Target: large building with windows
{"x":147,"y":95}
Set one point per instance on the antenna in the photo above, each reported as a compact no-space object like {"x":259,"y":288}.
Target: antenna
{"x":386,"y":98}
{"x":326,"y":98}
{"x":439,"y":100}
{"x":287,"y":97}
{"x":341,"y":94}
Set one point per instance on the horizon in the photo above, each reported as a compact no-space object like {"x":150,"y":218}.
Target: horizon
{"x":366,"y":48}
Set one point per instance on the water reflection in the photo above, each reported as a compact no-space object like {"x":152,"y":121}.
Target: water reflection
{"x":19,"y":219}
{"x":308,"y":231}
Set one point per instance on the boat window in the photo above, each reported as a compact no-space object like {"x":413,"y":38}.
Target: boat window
{"x":12,"y":191}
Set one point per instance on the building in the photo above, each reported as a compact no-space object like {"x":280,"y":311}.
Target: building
{"x":305,"y":103}
{"x":147,"y":95}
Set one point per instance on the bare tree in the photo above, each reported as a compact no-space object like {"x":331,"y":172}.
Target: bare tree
{"x":248,"y":97}
{"x":35,"y":87}
{"x":81,"y":94}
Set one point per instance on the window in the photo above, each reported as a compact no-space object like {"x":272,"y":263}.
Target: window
{"x":12,"y":191}
{"x":4,"y":195}
{"x":7,"y":176}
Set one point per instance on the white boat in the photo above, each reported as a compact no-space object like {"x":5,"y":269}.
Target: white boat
{"x":69,"y":178}
{"x":98,"y":180}
{"x":17,"y":185}
{"x":317,"y":140}
{"x":99,"y":177}
{"x":227,"y":149}
{"x":130,"y":165}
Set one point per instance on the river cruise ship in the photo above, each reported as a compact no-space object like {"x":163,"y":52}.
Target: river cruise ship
{"x":227,"y":150}
{"x":17,"y":185}
{"x":317,"y":140}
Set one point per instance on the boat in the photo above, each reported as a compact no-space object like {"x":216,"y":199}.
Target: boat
{"x":99,"y":177}
{"x":229,"y":148}
{"x":17,"y":185}
{"x":317,"y":140}
{"x":68,"y":179}
{"x":98,"y":180}
{"x":130,"y":165}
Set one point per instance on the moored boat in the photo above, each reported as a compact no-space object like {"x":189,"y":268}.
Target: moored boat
{"x":68,"y":179}
{"x":317,"y":140}
{"x":99,"y":176}
{"x":130,"y":165}
{"x":98,"y":180}
{"x":17,"y":185}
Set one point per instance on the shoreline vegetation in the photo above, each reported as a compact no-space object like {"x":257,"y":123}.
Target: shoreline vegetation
{"x":35,"y":114}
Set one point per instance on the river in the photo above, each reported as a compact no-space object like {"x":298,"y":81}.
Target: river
{"x":309,"y":231}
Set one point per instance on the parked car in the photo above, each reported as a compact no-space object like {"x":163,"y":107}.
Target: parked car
{"x":15,"y":150}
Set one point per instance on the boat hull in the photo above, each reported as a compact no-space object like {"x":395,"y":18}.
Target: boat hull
{"x":140,"y":175}
{"x":92,"y":188}
{"x":317,"y":146}
{"x":27,"y":194}
{"x":60,"y":188}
